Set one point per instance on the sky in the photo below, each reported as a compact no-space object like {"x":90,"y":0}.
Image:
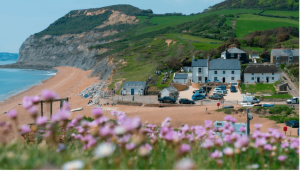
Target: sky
{"x":21,"y":18}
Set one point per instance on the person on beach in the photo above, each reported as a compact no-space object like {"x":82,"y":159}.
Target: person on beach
{"x":132,"y":98}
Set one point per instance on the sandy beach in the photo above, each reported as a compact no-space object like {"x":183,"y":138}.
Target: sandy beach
{"x":68,"y":82}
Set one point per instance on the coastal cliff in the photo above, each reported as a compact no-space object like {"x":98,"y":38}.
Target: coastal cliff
{"x":66,"y":42}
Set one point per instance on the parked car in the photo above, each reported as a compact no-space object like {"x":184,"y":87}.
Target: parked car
{"x":223,"y":87}
{"x":251,"y":99}
{"x":186,"y":101}
{"x":198,"y":97}
{"x":218,"y":88}
{"x":233,"y":89}
{"x":202,"y":92}
{"x":227,"y":107}
{"x":221,"y":92}
{"x":293,"y":124}
{"x":216,"y":97}
{"x":166,"y":99}
{"x":294,"y":100}
{"x":205,"y":87}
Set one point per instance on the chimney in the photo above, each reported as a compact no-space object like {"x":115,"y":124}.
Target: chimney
{"x":207,"y":61}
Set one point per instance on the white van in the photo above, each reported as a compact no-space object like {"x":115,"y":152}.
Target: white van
{"x":236,"y":126}
{"x":251,"y":99}
{"x":294,"y":100}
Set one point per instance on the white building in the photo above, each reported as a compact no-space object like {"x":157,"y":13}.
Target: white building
{"x":134,"y":87}
{"x":169,"y":91}
{"x":224,"y":70}
{"x":200,"y":70}
{"x":180,"y":78}
{"x":267,"y":73}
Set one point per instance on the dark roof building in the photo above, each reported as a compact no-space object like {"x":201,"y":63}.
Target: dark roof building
{"x":181,"y":76}
{"x":261,"y":68}
{"x":224,"y":64}
{"x":199,"y":63}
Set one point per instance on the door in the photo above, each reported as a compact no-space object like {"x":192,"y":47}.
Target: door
{"x":258,"y":79}
{"x":205,"y":79}
{"x":132,"y":91}
{"x":267,"y":78}
{"x":223,"y":79}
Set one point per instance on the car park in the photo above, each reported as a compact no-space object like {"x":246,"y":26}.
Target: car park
{"x":293,"y":124}
{"x":233,"y":89}
{"x":294,"y":100}
{"x":198,"y":97}
{"x":204,"y":88}
{"x":216,"y":97}
{"x":202,"y":92}
{"x":166,"y":99}
{"x":186,"y":101}
{"x":221,"y":92}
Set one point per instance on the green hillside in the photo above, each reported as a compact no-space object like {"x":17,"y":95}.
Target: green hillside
{"x":257,"y":4}
{"x":281,"y":13}
{"x":248,"y":23}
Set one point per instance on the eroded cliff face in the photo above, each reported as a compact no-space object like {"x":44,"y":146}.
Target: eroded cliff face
{"x":72,"y":49}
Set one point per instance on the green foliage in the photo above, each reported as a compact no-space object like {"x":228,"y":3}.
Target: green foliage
{"x":282,"y":66}
{"x":278,"y":109}
{"x":226,"y":111}
{"x":77,"y":24}
{"x":276,"y":83}
{"x":243,"y":67}
{"x":87,"y":118}
{"x":254,"y":88}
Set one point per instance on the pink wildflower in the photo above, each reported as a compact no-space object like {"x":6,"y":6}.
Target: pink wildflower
{"x":227,"y":118}
{"x":282,"y":158}
{"x":49,"y":95}
{"x":12,"y":114}
{"x":242,"y":129}
{"x":24,"y":129}
{"x":216,"y":154}
{"x":113,"y":112}
{"x":130,"y":146}
{"x":97,"y":112}
{"x":257,"y":126}
{"x":233,"y":120}
{"x":184,"y":148}
{"x":260,"y":142}
{"x":35,"y":99}
{"x":268,"y":147}
{"x":41,"y":120}
{"x":33,"y":111}
{"x":228,"y":151}
{"x":27,"y":102}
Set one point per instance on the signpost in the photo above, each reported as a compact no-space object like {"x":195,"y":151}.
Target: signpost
{"x":249,"y":117}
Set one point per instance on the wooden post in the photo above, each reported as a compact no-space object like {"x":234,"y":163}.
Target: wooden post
{"x":61,"y":104}
{"x":50,"y":109}
{"x":41,"y":108}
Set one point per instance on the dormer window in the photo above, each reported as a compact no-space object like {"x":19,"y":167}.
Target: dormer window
{"x":291,"y":58}
{"x":277,"y":58}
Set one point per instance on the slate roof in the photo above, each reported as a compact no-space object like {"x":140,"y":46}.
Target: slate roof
{"x":285,"y":52}
{"x":199,"y":63}
{"x":261,"y":68}
{"x":181,"y":76}
{"x":235,"y":50}
{"x":170,"y":89}
{"x":135,"y":84}
{"x":224,"y":64}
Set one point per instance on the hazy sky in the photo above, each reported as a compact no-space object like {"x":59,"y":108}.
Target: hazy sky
{"x":21,"y":18}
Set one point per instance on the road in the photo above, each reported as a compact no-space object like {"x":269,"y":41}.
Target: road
{"x":295,"y":89}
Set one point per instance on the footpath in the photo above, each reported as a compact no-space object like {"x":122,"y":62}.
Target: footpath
{"x":295,"y":89}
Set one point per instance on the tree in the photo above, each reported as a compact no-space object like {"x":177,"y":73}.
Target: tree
{"x":278,"y":45}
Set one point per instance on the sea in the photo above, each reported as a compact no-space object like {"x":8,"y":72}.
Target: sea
{"x":14,"y":81}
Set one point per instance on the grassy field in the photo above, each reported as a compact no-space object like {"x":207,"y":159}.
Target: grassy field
{"x":248,"y":23}
{"x":258,"y":49}
{"x":142,"y":18}
{"x":205,"y":46}
{"x":169,"y":21}
{"x":254,"y":88}
{"x":160,"y":86}
{"x":282,"y":13}
{"x":199,"y":39}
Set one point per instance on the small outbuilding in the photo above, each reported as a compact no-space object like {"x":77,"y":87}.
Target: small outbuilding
{"x":169,"y":91}
{"x":180,"y":78}
{"x":134,"y":88}
{"x":283,"y":86}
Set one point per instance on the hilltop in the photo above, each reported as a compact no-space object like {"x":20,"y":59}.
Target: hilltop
{"x":256,"y":4}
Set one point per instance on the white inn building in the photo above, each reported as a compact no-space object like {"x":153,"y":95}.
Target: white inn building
{"x":267,"y":73}
{"x":224,"y":70}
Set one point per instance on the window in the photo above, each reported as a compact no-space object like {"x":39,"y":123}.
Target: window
{"x":200,"y":70}
{"x":272,"y":73}
{"x":252,"y":78}
{"x":232,"y":78}
{"x":216,"y":72}
{"x":277,"y":58}
{"x":252,"y":73}
{"x":215,"y":78}
{"x":277,"y":64}
{"x":199,"y":79}
{"x":291,"y":58}
{"x":232,"y":55}
{"x":272,"y":78}
{"x":232,"y":72}
{"x":224,"y":72}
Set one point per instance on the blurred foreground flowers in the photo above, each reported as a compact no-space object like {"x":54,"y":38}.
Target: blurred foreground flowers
{"x":127,"y":143}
